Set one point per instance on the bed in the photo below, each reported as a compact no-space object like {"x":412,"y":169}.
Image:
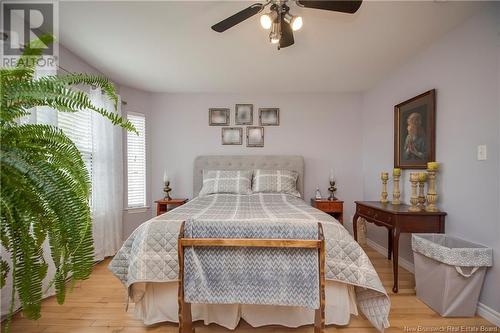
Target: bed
{"x":148,"y":263}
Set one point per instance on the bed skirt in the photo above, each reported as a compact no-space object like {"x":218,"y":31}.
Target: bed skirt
{"x":157,"y":302}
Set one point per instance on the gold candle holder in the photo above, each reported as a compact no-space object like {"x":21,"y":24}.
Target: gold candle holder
{"x":396,"y":194}
{"x":414,"y":197}
{"x":432,"y":169}
{"x":422,"y":178}
{"x":383,"y":196}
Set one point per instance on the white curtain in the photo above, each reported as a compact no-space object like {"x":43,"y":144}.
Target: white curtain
{"x":107,"y":170}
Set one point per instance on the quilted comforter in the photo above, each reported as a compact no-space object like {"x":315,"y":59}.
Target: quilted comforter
{"x":150,"y":253}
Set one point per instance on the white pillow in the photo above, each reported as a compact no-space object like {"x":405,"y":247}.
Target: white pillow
{"x":275,"y":181}
{"x":226,"y":181}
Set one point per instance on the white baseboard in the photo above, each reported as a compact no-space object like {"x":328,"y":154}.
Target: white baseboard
{"x":482,"y":310}
{"x":488,"y":313}
{"x":408,"y":265}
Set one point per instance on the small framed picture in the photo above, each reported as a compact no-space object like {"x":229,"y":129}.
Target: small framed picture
{"x":243,"y":114}
{"x":218,"y":117}
{"x":255,"y":136}
{"x":269,"y":117}
{"x":232,"y":136}
{"x":415,"y":131}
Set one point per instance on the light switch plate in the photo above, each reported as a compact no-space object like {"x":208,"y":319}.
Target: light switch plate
{"x":482,"y":153}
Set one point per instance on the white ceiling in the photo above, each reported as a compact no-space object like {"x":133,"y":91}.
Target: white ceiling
{"x":169,"y":46}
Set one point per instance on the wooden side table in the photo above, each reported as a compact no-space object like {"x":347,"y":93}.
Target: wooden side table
{"x":397,"y":219}
{"x":333,"y":207}
{"x":163,"y":206}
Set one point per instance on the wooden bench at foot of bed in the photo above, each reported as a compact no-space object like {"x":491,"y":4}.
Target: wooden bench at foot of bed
{"x":185,"y":318}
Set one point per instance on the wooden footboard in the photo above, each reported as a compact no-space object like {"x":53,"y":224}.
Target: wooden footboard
{"x":185,"y":318}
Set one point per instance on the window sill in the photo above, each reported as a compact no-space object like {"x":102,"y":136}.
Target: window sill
{"x":136,"y":210}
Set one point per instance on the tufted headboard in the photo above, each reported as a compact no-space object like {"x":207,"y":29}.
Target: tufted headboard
{"x":247,"y":162}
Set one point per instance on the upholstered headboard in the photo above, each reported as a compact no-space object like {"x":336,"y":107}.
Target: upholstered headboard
{"x":247,"y":162}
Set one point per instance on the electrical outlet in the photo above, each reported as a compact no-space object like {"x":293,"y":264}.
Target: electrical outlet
{"x":482,"y":153}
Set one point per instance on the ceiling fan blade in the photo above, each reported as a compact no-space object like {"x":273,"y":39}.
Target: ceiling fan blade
{"x":238,"y":17}
{"x":286,"y":35}
{"x":345,"y":6}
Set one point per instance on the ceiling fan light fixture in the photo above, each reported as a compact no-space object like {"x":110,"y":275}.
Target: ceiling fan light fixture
{"x":297,"y":23}
{"x":266,"y":20}
{"x":279,"y":20}
{"x":274,"y":38}
{"x":275,"y":35}
{"x":294,"y":21}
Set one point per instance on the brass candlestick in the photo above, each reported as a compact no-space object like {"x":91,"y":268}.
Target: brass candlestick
{"x":432,"y":168}
{"x":383,"y":196}
{"x":414,"y":198}
{"x":396,"y":194}
{"x":167,"y":190}
{"x":332,"y":190}
{"x":422,"y":178}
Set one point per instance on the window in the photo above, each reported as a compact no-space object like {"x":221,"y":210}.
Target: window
{"x":136,"y":161}
{"x":78,"y":127}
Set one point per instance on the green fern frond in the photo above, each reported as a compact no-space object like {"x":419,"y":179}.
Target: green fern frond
{"x":91,"y":80}
{"x":4,"y":271}
{"x":48,"y":91}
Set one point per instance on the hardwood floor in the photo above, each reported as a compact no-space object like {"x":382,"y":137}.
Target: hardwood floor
{"x":97,"y":305}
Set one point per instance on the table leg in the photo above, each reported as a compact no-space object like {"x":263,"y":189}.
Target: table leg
{"x":389,"y":245}
{"x":395,"y":267}
{"x":355,"y":226}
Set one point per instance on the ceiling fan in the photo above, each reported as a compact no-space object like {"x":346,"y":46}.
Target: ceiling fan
{"x":279,"y":19}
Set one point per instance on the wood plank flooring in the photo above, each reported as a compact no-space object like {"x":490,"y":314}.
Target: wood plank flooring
{"x":97,"y":305}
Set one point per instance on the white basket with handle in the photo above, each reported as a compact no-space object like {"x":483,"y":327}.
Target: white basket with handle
{"x":449,"y":273}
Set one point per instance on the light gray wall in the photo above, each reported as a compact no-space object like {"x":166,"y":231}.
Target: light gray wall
{"x":320,"y":127}
{"x":72,"y":63}
{"x":463,"y":66}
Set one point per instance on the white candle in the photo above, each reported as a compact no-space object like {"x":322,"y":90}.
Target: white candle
{"x":331,"y":175}
{"x":165,"y":176}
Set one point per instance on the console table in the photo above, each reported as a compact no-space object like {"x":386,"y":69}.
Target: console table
{"x":397,"y":219}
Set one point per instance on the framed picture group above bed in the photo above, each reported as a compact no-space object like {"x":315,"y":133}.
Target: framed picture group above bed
{"x":415,"y":131}
{"x":243,"y":115}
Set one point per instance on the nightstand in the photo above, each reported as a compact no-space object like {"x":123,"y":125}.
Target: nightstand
{"x":163,"y":206}
{"x":333,"y":207}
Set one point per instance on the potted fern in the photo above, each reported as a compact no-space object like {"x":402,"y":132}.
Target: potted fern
{"x":44,"y":184}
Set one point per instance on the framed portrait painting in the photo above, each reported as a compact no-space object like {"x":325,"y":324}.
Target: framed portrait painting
{"x":415,"y":131}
